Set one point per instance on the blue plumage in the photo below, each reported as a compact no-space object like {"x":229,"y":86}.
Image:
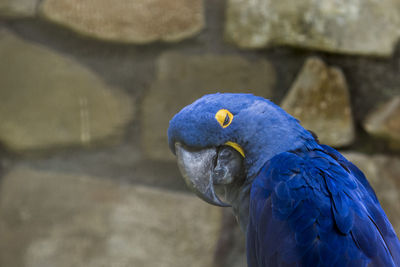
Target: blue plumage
{"x":308,"y":205}
{"x":329,"y":223}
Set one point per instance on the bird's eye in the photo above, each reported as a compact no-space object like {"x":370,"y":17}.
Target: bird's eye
{"x":224,"y":117}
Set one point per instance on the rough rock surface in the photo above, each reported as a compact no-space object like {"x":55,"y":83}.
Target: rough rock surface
{"x":50,"y":100}
{"x":365,"y":27}
{"x":135,"y":21}
{"x":181,"y":79}
{"x":383,"y":174}
{"x":55,"y":219}
{"x":384,"y":122}
{"x":319,"y":98}
{"x":18,"y":8}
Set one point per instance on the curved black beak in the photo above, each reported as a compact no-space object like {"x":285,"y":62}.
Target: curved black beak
{"x":197,"y":168}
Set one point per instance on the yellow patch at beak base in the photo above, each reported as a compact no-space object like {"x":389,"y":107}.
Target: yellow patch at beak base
{"x":236,"y":146}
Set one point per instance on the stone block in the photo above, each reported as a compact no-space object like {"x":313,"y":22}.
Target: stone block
{"x":384,"y":122}
{"x":364,"y":27}
{"x":131,"y":21}
{"x":50,"y":218}
{"x":18,"y":8}
{"x":50,"y":100}
{"x":319,"y":98}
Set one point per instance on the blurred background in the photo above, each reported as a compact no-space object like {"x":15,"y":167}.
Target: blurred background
{"x":87,"y":88}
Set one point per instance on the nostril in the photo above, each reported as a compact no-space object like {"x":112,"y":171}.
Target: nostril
{"x":219,"y":172}
{"x":220,"y":175}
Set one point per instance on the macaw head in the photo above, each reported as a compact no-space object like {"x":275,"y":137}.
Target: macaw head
{"x":223,"y":138}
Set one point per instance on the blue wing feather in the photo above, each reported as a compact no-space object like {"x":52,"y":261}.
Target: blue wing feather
{"x":315,"y":208}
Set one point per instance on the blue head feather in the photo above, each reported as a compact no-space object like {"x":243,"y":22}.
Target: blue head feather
{"x":259,"y":126}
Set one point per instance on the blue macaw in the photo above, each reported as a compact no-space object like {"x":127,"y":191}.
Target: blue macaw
{"x":299,"y":202}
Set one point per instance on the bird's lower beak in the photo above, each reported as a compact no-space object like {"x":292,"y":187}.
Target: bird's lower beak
{"x":198,"y":170}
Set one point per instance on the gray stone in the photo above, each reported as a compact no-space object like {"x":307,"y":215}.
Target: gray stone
{"x":366,"y":27}
{"x":319,"y":98}
{"x":47,"y":99}
{"x":18,"y":8}
{"x":384,"y":122}
{"x":59,"y":219}
{"x":181,"y":79}
{"x":134,"y":21}
{"x":383,"y":173}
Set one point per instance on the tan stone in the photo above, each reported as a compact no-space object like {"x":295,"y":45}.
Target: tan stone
{"x":68,"y":220}
{"x":383,"y":173}
{"x":181,"y":79}
{"x":18,"y":8}
{"x":48,"y":99}
{"x":319,"y":98}
{"x":135,"y":21}
{"x":384,"y":122}
{"x":366,"y":27}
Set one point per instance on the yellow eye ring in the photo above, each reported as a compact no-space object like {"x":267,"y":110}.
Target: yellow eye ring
{"x":224,"y":117}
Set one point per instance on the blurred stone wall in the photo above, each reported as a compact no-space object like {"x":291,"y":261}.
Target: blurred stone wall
{"x":87,"y":89}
